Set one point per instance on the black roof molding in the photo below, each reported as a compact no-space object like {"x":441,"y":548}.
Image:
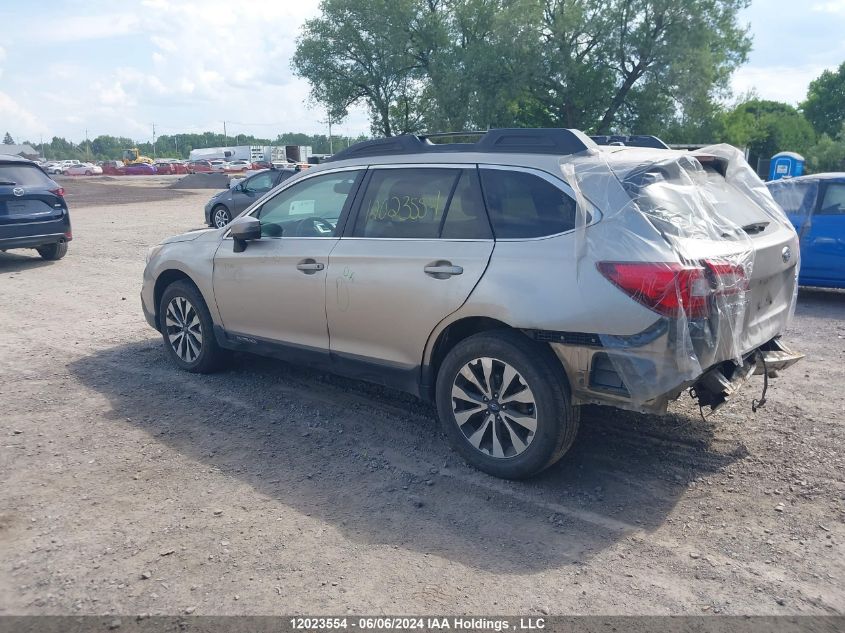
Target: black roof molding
{"x":558,"y":141}
{"x":639,"y":140}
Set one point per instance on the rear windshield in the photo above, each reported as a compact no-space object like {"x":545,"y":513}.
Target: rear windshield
{"x":675,"y":192}
{"x":23,"y":176}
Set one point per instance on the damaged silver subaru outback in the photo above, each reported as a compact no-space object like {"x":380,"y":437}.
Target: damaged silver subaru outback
{"x":509,"y":280}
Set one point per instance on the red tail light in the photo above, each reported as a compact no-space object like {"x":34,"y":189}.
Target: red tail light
{"x":672,"y":289}
{"x":727,"y":278}
{"x":59,"y":192}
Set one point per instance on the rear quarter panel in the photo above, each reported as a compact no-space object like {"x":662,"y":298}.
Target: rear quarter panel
{"x":545,"y":284}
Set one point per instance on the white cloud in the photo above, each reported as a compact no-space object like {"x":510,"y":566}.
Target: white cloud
{"x":18,"y":120}
{"x":777,"y":83}
{"x":836,"y":7}
{"x":87,"y":27}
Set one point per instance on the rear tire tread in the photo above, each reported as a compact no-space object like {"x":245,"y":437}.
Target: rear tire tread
{"x":53,"y":252}
{"x":551,"y":384}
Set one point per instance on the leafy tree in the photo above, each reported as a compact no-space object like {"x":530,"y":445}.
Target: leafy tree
{"x":825,"y":103}
{"x":8,"y":140}
{"x":766,"y":128}
{"x":828,"y":154}
{"x":599,"y":65}
{"x":357,"y":51}
{"x":609,"y":61}
{"x":477,"y":58}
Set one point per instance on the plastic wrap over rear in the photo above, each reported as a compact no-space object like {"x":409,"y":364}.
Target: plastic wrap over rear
{"x":696,"y":238}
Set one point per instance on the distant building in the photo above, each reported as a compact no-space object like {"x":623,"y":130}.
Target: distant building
{"x":253,"y":153}
{"x":25,"y":151}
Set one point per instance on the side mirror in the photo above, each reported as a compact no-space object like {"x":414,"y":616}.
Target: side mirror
{"x":244,"y":230}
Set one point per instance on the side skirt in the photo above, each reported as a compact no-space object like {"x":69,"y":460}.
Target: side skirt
{"x":402,"y":377}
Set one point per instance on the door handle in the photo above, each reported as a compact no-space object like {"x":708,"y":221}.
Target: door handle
{"x":442,"y":270}
{"x":310,"y":266}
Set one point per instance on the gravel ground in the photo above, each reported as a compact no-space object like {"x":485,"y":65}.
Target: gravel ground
{"x":131,"y":487}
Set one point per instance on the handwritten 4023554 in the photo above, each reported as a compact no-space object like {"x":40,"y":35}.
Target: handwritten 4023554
{"x":406,"y":208}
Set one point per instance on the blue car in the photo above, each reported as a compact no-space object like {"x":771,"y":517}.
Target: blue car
{"x":816,"y":207}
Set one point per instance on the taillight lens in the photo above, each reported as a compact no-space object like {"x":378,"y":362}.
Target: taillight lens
{"x":59,"y":192}
{"x":672,"y":289}
{"x":726,"y":278}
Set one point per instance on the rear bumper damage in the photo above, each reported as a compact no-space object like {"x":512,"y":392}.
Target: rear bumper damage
{"x":721,"y":382}
{"x":698,"y":240}
{"x":642,"y":374}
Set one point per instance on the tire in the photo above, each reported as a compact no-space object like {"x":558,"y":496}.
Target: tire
{"x":88,"y":173}
{"x":537,"y":377}
{"x":53,"y":252}
{"x":220,"y":216}
{"x":193,"y":347}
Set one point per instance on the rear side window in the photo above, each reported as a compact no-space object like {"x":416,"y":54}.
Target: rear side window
{"x":796,"y":198}
{"x":284,"y":174}
{"x":23,"y":176}
{"x":833,"y":202}
{"x":423,"y":203}
{"x":522,"y":205}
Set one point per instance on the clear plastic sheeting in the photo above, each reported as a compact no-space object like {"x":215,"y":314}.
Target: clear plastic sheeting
{"x":695,"y":238}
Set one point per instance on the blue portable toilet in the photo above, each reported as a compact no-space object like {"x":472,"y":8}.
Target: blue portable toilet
{"x":786,"y":165}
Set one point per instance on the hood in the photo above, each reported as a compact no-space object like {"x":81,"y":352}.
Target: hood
{"x":190,"y":236}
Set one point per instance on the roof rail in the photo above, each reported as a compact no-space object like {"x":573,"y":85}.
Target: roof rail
{"x":638,"y":140}
{"x":453,"y":134}
{"x":558,"y":141}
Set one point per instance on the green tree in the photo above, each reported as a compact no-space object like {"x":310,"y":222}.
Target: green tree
{"x":828,"y":154}
{"x":766,"y":128}
{"x":610,"y":62}
{"x":357,"y":52}
{"x":598,"y":65}
{"x":8,"y":140}
{"x":477,"y":58}
{"x":825,"y":103}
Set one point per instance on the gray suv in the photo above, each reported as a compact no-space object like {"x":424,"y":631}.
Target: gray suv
{"x":508,"y":280}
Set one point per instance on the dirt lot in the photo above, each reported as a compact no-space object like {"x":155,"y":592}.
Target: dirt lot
{"x":131,"y":487}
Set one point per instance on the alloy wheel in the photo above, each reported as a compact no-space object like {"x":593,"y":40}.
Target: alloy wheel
{"x":221,"y":218}
{"x":184,"y":329}
{"x":494,"y":408}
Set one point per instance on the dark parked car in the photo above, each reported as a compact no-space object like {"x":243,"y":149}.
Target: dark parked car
{"x":225,"y":205}
{"x":140,"y":169}
{"x":33,"y":211}
{"x":113,"y":167}
{"x":198,"y":166}
{"x":816,"y":207}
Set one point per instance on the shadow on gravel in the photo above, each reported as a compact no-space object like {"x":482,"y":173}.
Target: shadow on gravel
{"x":372,"y":463}
{"x":21,"y":260}
{"x":820,"y":302}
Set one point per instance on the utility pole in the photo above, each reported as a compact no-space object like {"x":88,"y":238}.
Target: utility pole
{"x":87,"y":145}
{"x":41,"y":143}
{"x":330,"y":136}
{"x":224,"y":133}
{"x":154,"y":140}
{"x":176,"y":140}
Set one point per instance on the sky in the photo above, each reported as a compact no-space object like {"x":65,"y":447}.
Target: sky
{"x":67,"y":66}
